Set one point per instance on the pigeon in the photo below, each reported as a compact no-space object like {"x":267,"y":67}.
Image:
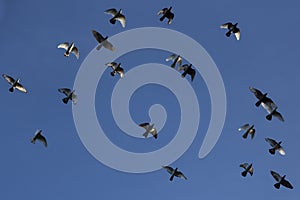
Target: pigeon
{"x":70,"y":95}
{"x":15,"y":84}
{"x":166,"y":13}
{"x":267,"y":104}
{"x":116,"y":69}
{"x":276,"y":146}
{"x":280,"y":181}
{"x":248,"y":169}
{"x":102,"y":41}
{"x":149,"y":129}
{"x":232,"y":28}
{"x":117,"y":15}
{"x":174,"y":172}
{"x":187,"y":70}
{"x":38,"y":136}
{"x":69,"y":49}
{"x":249,"y":130}
{"x":176,"y":59}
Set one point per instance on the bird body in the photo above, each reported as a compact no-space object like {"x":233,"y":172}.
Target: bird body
{"x":276,"y":146}
{"x":176,"y":59}
{"x":38,"y":136}
{"x":281,"y":181}
{"x":69,"y":49}
{"x":70,"y":95}
{"x":166,"y":13}
{"x":187,"y":70}
{"x":249,"y":130}
{"x":117,"y":16}
{"x":15,"y":83}
{"x":174,"y":172}
{"x":102,"y":41}
{"x":149,"y":129}
{"x":248,"y":169}
{"x":116,"y":69}
{"x":232,"y":28}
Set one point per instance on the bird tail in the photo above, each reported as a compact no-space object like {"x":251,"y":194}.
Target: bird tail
{"x":245,"y":135}
{"x":11,"y":89}
{"x":183,"y":74}
{"x":171,"y":178}
{"x":65,"y":100}
{"x":228,"y":33}
{"x":277,"y":185}
{"x":145,"y":134}
{"x":244,"y":173}
{"x":162,"y":18}
{"x":272,"y":151}
{"x":112,"y":20}
{"x":257,"y":104}
{"x":99,"y":47}
{"x":269,"y":117}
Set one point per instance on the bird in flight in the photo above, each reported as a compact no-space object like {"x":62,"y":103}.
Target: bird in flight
{"x":149,"y":129}
{"x":116,"y":69}
{"x":248,"y":169}
{"x":281,"y":181}
{"x":248,"y":130}
{"x":15,"y":84}
{"x":187,"y":70}
{"x":174,"y":172}
{"x":267,"y":104}
{"x":166,"y":13}
{"x":38,"y":136}
{"x":276,"y":146}
{"x":117,"y":15}
{"x":176,"y":59}
{"x":70,"y":95}
{"x":232,"y":28}
{"x":69,"y":49}
{"x":102,"y":41}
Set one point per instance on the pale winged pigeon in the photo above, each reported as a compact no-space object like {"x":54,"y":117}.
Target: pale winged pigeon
{"x":15,"y":84}
{"x":69,"y":49}
{"x":232,"y":28}
{"x":149,"y":129}
{"x":117,"y":15}
{"x":174,"y":172}
{"x":38,"y":136}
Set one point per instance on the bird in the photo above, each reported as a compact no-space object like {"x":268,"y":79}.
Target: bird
{"x":281,"y":181}
{"x":249,"y":130}
{"x":117,"y":15}
{"x":149,"y":129}
{"x":248,"y":169}
{"x":166,"y":13}
{"x":176,"y":59}
{"x":69,"y":49}
{"x":102,"y":41}
{"x":187,"y":70}
{"x":38,"y":136}
{"x":266,"y":103}
{"x":174,"y":172}
{"x":116,"y":69}
{"x":15,"y":84}
{"x":70,"y":95}
{"x":232,"y":28}
{"x":276,"y":146}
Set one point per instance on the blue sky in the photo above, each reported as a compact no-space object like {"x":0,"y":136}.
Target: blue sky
{"x":266,"y":58}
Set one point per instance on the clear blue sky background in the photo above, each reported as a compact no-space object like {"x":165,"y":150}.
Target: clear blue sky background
{"x":266,"y":57}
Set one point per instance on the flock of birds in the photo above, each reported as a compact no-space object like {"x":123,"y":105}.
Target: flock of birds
{"x":166,"y":13}
{"x":269,"y":105}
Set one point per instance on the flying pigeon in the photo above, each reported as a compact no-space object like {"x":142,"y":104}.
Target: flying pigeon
{"x":116,"y":69}
{"x":69,"y":49}
{"x":166,"y":13}
{"x":70,"y":95}
{"x":248,"y":169}
{"x":267,"y":104}
{"x":117,"y":15}
{"x":174,"y":173}
{"x":38,"y":136}
{"x":232,"y":28}
{"x":15,"y":84}
{"x":187,"y":70}
{"x":102,"y":41}
{"x":249,"y":130}
{"x":176,"y":59}
{"x":149,"y":129}
{"x":280,"y":181}
{"x":276,"y":146}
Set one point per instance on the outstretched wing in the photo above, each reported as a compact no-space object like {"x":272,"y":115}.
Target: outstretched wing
{"x":113,"y":65}
{"x":75,"y":52}
{"x":276,"y":176}
{"x":66,"y":91}
{"x":121,"y":18}
{"x":169,"y":169}
{"x":244,"y":127}
{"x":98,"y":36}
{"x":226,"y":25}
{"x":272,"y":142}
{"x":144,"y":125}
{"x":74,"y":98}
{"x":20,"y":87}
{"x":111,"y":11}
{"x":237,"y":34}
{"x":9,"y":79}
{"x":181,"y":175}
{"x":278,"y":115}
{"x":287,"y":184}
{"x":162,"y":11}
{"x":244,"y":165}
{"x":108,"y":45}
{"x":256,"y":92}
{"x":63,"y":46}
